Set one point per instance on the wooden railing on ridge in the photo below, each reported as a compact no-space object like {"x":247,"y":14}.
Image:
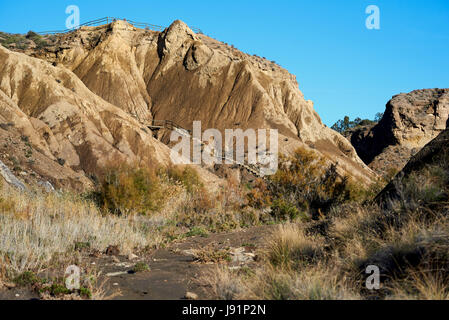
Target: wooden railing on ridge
{"x":107,"y":20}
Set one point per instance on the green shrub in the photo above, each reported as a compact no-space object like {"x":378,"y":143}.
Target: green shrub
{"x":282,"y":210}
{"x":17,"y":39}
{"x":27,"y":278}
{"x":197,"y":231}
{"x":141,"y":267}
{"x":85,"y":292}
{"x":20,"y":41}
{"x":82,"y":246}
{"x":55,"y":290}
{"x":37,"y":39}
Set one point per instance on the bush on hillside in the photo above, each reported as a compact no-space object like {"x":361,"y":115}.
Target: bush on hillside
{"x":125,"y":189}
{"x":259,"y":195}
{"x":187,"y":176}
{"x":37,"y":39}
{"x":308,"y":184}
{"x":342,"y":125}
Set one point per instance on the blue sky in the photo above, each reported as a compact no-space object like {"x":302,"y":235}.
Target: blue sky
{"x":342,"y":66}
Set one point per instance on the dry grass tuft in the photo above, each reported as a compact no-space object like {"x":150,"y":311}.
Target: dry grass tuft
{"x":289,"y":247}
{"x":225,"y":284}
{"x":43,"y":225}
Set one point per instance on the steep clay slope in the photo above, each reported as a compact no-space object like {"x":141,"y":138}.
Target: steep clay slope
{"x":184,"y":77}
{"x":63,"y":119}
{"x":410,"y":122}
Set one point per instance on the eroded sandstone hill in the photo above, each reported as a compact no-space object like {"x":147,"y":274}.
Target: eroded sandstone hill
{"x":86,"y":99}
{"x":410,"y":122}
{"x":431,"y":163}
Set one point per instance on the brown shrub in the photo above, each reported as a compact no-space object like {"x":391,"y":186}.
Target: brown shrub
{"x":259,"y":196}
{"x":126,"y":189}
{"x":187,"y":176}
{"x":305,"y":185}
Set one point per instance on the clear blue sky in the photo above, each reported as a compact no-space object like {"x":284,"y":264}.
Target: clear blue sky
{"x":342,"y":66}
